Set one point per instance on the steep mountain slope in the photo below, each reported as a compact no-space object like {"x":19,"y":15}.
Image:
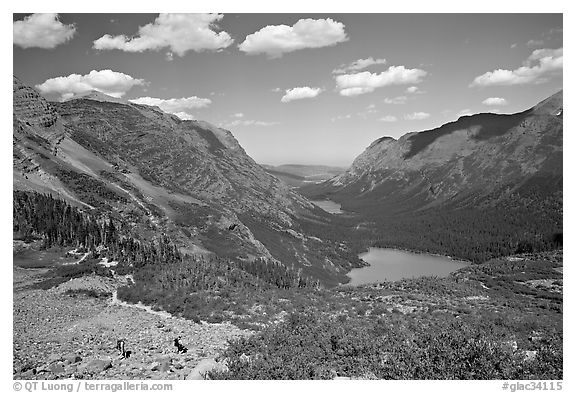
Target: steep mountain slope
{"x":475,"y":153}
{"x":161,"y":174}
{"x":481,"y":163}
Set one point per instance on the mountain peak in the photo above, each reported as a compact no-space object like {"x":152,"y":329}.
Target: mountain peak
{"x":552,"y":105}
{"x":97,"y":96}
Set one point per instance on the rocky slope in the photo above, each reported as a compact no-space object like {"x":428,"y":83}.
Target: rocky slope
{"x":475,"y":155}
{"x":161,"y":174}
{"x":61,"y":334}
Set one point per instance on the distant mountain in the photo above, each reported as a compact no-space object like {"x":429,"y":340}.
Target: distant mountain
{"x":96,"y":96}
{"x":189,"y":179}
{"x":479,"y":164}
{"x":298,"y":175}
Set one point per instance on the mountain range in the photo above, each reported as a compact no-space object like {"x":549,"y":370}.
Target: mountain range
{"x":502,"y":171}
{"x":188,"y":179}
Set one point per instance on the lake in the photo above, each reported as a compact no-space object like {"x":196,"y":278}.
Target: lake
{"x":329,"y":206}
{"x":390,"y":264}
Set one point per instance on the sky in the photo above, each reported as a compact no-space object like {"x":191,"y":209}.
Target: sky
{"x":299,"y":88}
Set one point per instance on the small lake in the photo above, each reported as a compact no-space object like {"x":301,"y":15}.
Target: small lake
{"x":391,"y":265}
{"x":329,"y":206}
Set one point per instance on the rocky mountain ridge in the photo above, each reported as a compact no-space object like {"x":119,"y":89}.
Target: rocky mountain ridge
{"x":162,"y":174}
{"x":478,"y":152}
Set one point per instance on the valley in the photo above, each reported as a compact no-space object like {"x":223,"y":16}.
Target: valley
{"x":129,"y":223}
{"x":462,"y":189}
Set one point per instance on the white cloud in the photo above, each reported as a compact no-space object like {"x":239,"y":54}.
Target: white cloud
{"x":238,"y":115}
{"x":417,"y":116}
{"x":341,"y":117}
{"x":109,"y":82}
{"x":275,"y":40}
{"x":355,"y":91}
{"x":248,"y":123}
{"x":184,"y":116}
{"x":41,"y":31}
{"x":299,"y":93}
{"x":540,"y":65}
{"x":358,"y":65}
{"x":178,"y":32}
{"x":495,"y":101}
{"x":534,"y":43}
{"x":177,"y":106}
{"x":412,"y":90}
{"x":370,"y":109}
{"x":553,"y":32}
{"x":464,"y":112}
{"x":388,"y":119}
{"x":367,"y":82}
{"x":396,"y":100}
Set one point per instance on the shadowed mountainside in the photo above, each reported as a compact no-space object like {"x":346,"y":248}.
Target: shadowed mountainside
{"x":489,"y":179}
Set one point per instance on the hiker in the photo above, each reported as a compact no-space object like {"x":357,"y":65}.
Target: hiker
{"x":121,"y":346}
{"x":179,"y":347}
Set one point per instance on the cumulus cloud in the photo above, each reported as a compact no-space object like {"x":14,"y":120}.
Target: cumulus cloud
{"x":275,"y":40}
{"x":177,"y":106}
{"x":396,"y":100}
{"x":355,"y":91}
{"x":109,"y":82}
{"x":539,"y":67}
{"x":299,"y":93}
{"x":41,"y":31}
{"x":367,"y":82}
{"x":417,"y":116}
{"x":184,"y":116}
{"x":358,"y":65}
{"x":178,"y":32}
{"x":388,"y":119}
{"x":412,"y":90}
{"x":495,"y":101}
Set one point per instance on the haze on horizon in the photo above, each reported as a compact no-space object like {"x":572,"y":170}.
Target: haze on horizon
{"x":296,"y":88}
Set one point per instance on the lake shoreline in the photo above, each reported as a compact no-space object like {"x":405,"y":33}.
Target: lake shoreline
{"x":418,"y":252}
{"x":393,"y":264}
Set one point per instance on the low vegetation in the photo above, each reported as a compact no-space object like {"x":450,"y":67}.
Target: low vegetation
{"x":498,"y":320}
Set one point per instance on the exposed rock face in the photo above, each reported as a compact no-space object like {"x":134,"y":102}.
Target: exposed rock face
{"x":477,"y":153}
{"x":31,"y":108}
{"x":185,"y":178}
{"x":187,"y":156}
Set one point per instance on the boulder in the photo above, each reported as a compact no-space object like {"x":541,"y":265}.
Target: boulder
{"x":530,"y":355}
{"x":72,"y":358}
{"x":201,"y":370}
{"x":56,"y":368}
{"x":162,"y":364}
{"x":98,"y":365}
{"x":53,"y":358}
